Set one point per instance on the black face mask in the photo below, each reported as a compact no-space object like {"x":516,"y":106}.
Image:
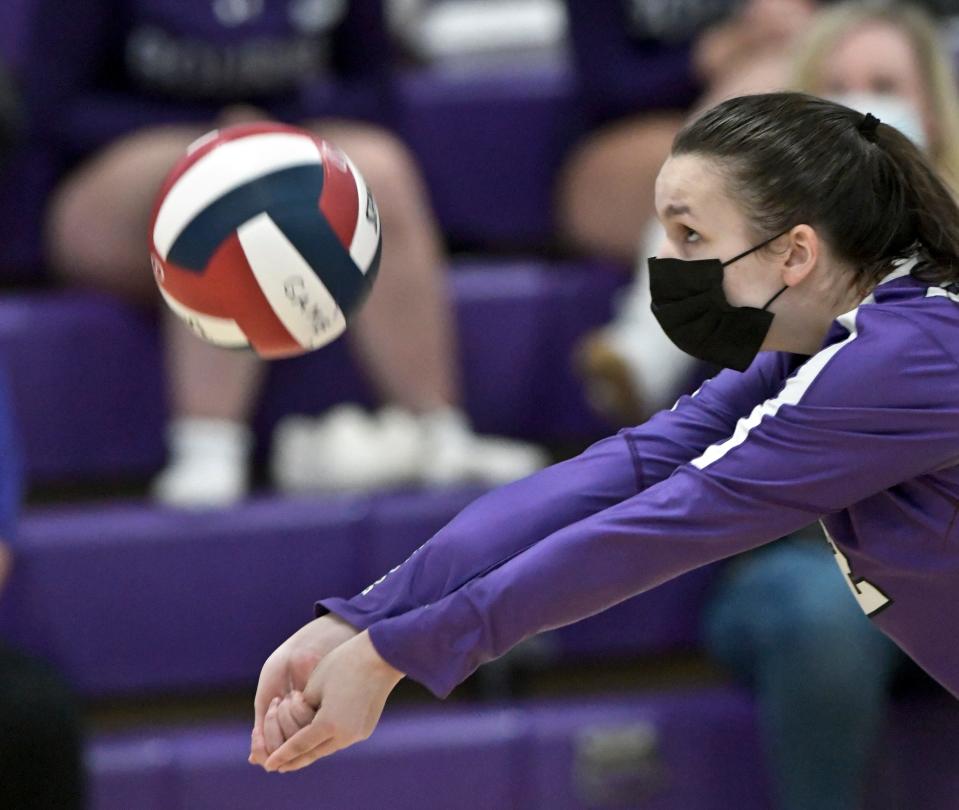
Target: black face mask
{"x":690,"y":305}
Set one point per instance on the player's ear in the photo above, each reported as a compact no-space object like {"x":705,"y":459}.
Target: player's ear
{"x":801,"y":254}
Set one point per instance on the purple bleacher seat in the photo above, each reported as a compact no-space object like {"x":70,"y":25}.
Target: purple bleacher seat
{"x":489,"y":145}
{"x":672,"y":751}
{"x":86,"y":385}
{"x":88,"y":388}
{"x":129,"y":598}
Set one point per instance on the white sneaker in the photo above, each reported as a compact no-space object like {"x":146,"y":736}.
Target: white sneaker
{"x":208,"y":465}
{"x":350,"y":450}
{"x":346,"y":450}
{"x":454,"y":454}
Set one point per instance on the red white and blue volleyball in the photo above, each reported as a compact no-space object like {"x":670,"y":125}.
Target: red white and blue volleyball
{"x":267,"y":237}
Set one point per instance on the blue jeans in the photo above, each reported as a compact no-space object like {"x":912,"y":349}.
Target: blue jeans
{"x":784,"y":620}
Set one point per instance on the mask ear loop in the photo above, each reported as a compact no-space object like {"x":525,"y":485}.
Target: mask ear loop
{"x":762,"y":244}
{"x":752,"y":249}
{"x":785,"y":287}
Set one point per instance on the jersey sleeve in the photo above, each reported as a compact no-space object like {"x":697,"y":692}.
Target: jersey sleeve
{"x":510,"y":520}
{"x":856,"y":419}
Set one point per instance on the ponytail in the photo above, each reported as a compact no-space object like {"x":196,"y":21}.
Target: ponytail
{"x":930,"y":207}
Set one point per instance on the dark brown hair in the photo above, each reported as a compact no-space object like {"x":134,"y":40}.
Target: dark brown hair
{"x":792,"y":158}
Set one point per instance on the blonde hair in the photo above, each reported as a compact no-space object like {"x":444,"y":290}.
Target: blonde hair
{"x":832,"y":24}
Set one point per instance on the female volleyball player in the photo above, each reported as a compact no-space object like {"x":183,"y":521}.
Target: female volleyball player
{"x":813,"y":252}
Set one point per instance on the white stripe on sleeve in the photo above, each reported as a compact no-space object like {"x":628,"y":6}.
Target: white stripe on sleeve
{"x":796,"y":386}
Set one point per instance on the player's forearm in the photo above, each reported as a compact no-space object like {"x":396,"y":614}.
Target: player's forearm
{"x":494,"y":529}
{"x":580,"y":570}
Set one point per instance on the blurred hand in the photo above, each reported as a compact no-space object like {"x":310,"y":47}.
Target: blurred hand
{"x":287,"y":671}
{"x":349,"y":687}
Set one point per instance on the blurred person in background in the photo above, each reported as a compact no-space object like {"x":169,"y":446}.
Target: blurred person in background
{"x":125,"y":91}
{"x":605,"y":191}
{"x":782,"y":618}
{"x":41,"y":747}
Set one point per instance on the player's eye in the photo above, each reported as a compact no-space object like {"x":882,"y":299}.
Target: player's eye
{"x":690,"y":236}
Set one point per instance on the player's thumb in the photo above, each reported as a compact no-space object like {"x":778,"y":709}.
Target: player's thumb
{"x":313,"y":690}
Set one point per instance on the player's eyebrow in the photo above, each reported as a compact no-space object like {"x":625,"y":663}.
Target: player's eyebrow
{"x":676,"y":210}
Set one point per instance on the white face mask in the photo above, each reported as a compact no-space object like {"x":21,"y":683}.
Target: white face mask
{"x":892,"y":110}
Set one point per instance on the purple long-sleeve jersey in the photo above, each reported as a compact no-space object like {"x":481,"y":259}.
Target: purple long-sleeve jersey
{"x":864,"y":436}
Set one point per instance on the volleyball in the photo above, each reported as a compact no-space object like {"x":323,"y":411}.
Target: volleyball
{"x":266,"y":237}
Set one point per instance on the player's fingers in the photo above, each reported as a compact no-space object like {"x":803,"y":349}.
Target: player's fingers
{"x":322,"y":750}
{"x":272,"y":733}
{"x":284,"y":716}
{"x":302,"y":711}
{"x":258,"y":752}
{"x":300,"y":743}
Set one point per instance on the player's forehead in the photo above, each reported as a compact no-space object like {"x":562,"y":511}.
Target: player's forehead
{"x":692,"y":186}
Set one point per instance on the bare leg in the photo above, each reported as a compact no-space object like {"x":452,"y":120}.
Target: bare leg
{"x":605,"y":193}
{"x":404,"y":334}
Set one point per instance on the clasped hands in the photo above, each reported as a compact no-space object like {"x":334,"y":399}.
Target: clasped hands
{"x":322,"y":690}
